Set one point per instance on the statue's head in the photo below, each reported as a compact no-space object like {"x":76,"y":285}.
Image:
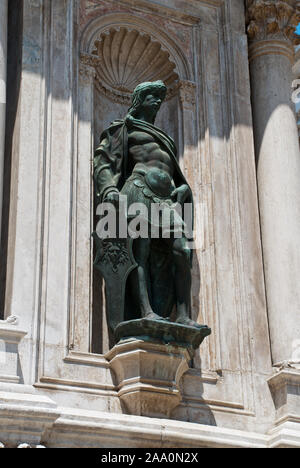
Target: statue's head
{"x":147,"y":98}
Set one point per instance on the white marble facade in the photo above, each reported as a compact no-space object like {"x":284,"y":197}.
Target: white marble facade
{"x":238,"y":146}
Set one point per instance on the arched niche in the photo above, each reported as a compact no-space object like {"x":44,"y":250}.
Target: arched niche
{"x":103,"y":24}
{"x":117,"y":52}
{"x":123,"y":51}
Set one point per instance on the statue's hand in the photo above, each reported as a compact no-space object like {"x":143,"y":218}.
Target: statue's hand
{"x":181,"y":193}
{"x":112,"y":197}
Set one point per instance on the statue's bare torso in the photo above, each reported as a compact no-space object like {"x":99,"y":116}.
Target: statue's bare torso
{"x":144,"y":148}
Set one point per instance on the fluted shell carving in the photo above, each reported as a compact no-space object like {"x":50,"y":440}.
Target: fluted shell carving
{"x":126,"y":58}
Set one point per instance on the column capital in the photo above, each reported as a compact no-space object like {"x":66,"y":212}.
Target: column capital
{"x":273,"y":20}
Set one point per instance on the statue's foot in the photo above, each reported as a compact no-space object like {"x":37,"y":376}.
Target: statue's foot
{"x":153,"y":316}
{"x":188,"y":322}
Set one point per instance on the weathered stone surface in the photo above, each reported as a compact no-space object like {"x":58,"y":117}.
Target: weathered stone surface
{"x":285,"y":389}
{"x":26,"y":413}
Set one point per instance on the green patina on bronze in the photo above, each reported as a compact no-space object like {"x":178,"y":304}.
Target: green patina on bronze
{"x":147,"y":280}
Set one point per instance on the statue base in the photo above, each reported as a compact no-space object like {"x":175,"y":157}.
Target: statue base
{"x":164,"y":331}
{"x":149,"y":361}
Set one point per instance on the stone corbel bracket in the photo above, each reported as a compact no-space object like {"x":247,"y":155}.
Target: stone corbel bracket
{"x":148,"y":375}
{"x":10,"y":337}
{"x":285,"y":390}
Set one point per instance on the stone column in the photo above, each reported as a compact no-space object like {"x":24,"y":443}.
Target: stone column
{"x":270,"y":26}
{"x":3,"y":58}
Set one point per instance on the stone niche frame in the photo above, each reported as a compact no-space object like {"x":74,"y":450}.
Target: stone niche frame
{"x":220,"y":165}
{"x":185,"y":93}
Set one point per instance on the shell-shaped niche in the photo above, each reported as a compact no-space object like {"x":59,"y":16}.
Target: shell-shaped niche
{"x":126,"y":58}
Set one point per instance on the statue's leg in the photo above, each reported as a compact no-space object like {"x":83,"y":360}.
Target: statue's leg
{"x":183,"y":281}
{"x":140,"y":278}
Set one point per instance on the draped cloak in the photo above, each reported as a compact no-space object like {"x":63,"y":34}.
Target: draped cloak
{"x":111,"y":162}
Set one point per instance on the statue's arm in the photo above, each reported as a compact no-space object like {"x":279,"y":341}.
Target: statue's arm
{"x":181,"y":193}
{"x":104,"y":177}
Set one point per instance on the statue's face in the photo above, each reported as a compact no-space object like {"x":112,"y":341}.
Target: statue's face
{"x":152,"y":103}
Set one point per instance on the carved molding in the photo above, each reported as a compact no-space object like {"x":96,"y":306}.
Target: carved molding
{"x":113,"y":96}
{"x":287,"y":365}
{"x":271,"y":47}
{"x":11,"y":320}
{"x":92,"y":62}
{"x":273,"y":20}
{"x":187,"y":94}
{"x":87,"y":71}
{"x":10,"y":332}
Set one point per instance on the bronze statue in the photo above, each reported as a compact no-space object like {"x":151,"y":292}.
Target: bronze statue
{"x":138,"y":160}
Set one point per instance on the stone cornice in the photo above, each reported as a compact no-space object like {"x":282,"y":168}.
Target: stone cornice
{"x":273,"y":20}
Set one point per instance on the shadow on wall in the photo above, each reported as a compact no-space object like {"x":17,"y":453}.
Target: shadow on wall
{"x":14,"y":63}
{"x":266,"y":104}
{"x":188,"y":410}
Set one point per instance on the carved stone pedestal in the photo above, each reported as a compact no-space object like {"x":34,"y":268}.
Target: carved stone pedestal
{"x":149,"y":360}
{"x":285,"y":389}
{"x":148,"y":375}
{"x":10,"y":337}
